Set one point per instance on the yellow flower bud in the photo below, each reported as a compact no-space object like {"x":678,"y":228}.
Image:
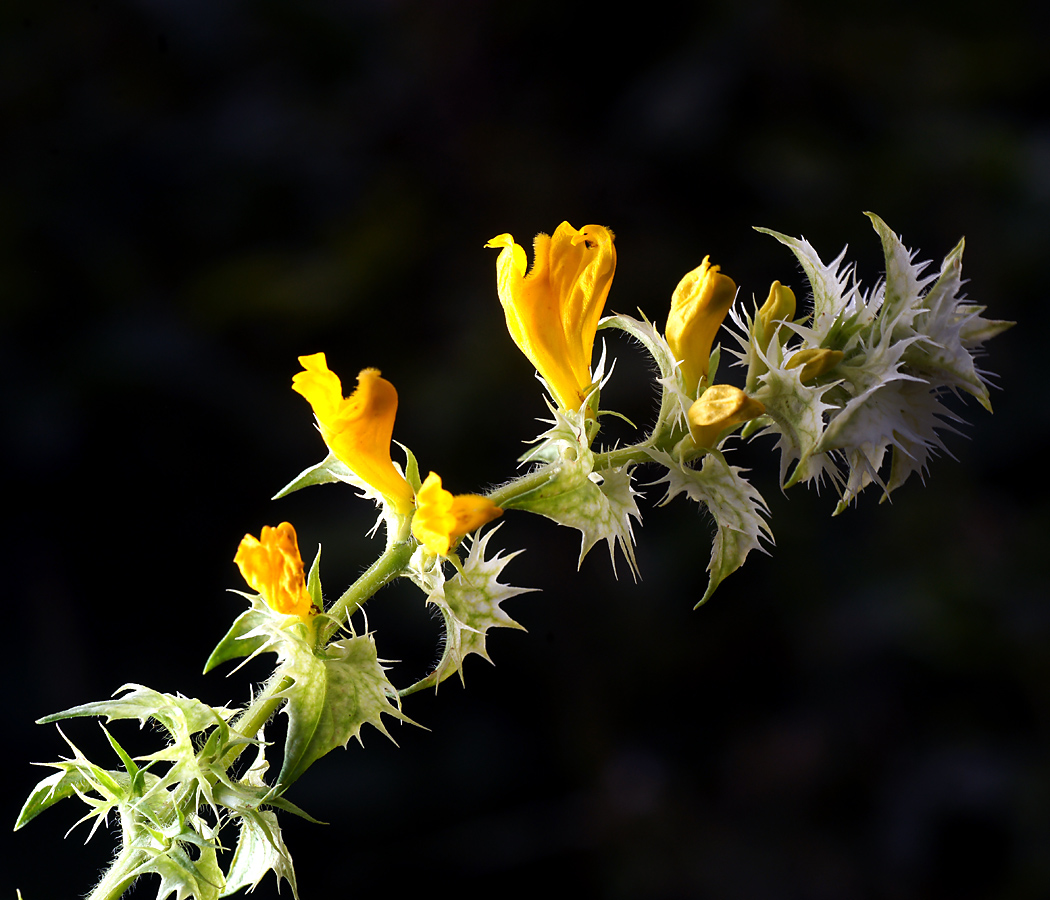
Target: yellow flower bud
{"x":357,"y":429}
{"x":779,"y":307}
{"x":553,"y":311}
{"x":698,"y":306}
{"x":273,"y":567}
{"x":815,"y":362}
{"x":441,"y":518}
{"x":720,"y":407}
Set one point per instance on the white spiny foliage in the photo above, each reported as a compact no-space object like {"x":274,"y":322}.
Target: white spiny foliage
{"x":470,"y":604}
{"x":904,"y":345}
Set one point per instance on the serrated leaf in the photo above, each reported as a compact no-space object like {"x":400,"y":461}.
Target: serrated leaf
{"x":331,"y":699}
{"x":260,"y":849}
{"x":469,"y":603}
{"x":798,"y":415}
{"x":736,"y":506}
{"x":49,"y":791}
{"x":832,"y":294}
{"x":240,"y":640}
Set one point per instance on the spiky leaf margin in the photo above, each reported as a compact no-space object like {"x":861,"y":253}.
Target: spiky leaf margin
{"x":736,"y":506}
{"x":470,"y":605}
{"x":331,"y":698}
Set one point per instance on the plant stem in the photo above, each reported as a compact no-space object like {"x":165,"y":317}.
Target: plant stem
{"x":384,"y":570}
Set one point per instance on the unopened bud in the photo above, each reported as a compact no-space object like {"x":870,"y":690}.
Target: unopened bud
{"x":720,"y":407}
{"x":815,"y":362}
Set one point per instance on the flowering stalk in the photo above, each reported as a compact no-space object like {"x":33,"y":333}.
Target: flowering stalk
{"x":852,"y":393}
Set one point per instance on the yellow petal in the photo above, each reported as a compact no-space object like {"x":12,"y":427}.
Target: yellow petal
{"x":553,"y":311}
{"x":815,"y":362}
{"x":357,"y":429}
{"x":698,"y":306}
{"x":441,"y":518}
{"x":720,"y":407}
{"x":779,"y":307}
{"x":273,"y":567}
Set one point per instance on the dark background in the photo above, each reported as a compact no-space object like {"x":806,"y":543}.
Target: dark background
{"x":194,"y":193}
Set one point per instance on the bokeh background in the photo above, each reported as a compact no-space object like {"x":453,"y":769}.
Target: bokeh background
{"x":194,"y":193}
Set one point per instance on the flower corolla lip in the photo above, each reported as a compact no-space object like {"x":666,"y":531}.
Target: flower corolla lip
{"x":698,"y":306}
{"x":358,"y":429}
{"x":272,"y":566}
{"x":442,"y":518}
{"x":720,"y":407}
{"x":553,"y":310}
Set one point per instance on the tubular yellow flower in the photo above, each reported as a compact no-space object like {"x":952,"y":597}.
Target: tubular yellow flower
{"x":553,"y":311}
{"x":815,"y":362}
{"x":698,"y":306}
{"x":357,"y":429}
{"x":272,"y":566}
{"x":720,"y":407}
{"x":441,"y":518}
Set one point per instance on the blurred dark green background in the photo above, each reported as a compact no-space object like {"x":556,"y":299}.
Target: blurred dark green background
{"x":194,"y":193}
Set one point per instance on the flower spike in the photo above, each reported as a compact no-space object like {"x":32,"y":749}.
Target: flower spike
{"x":272,"y":566}
{"x":698,"y":306}
{"x":553,"y":311}
{"x":358,"y":429}
{"x":441,"y":518}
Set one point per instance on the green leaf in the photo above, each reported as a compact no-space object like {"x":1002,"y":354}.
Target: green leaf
{"x":331,"y":699}
{"x":260,"y":849}
{"x":330,"y":469}
{"x":58,"y":786}
{"x":174,"y":712}
{"x":240,"y":639}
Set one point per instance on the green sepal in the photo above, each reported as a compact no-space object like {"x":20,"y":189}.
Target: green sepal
{"x":313,"y":581}
{"x":240,"y":640}
{"x":332,"y":697}
{"x":263,"y":630}
{"x":411,"y":468}
{"x":328,"y":470}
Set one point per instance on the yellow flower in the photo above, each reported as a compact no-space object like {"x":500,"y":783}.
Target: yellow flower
{"x":441,"y":518}
{"x":273,"y":567}
{"x":720,"y":407}
{"x":553,"y":312}
{"x":698,"y":306}
{"x":815,"y":362}
{"x":357,"y":429}
{"x":779,"y":307}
